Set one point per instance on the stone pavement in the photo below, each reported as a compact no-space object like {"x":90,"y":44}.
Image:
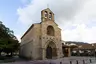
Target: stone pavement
{"x":66,"y":60}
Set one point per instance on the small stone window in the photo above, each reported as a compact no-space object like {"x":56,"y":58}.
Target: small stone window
{"x":46,"y":14}
{"x":50,"y":31}
{"x":50,"y":15}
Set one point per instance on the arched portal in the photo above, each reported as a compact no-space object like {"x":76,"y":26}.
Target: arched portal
{"x":51,"y":51}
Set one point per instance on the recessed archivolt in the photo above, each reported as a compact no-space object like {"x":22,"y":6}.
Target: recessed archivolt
{"x":50,"y":43}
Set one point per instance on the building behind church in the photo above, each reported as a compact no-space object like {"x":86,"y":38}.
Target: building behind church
{"x":42,"y":40}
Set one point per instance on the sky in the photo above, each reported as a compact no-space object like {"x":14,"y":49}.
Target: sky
{"x":76,"y":18}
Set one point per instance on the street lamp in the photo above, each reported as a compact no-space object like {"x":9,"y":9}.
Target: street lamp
{"x":93,"y":50}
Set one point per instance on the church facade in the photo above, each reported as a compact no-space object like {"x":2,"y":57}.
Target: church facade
{"x":42,"y":40}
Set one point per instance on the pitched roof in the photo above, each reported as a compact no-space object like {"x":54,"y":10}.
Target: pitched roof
{"x":86,"y":46}
{"x":29,"y":29}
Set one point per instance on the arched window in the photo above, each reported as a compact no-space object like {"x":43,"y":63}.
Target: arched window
{"x":50,"y":15}
{"x":50,"y":31}
{"x":46,"y":14}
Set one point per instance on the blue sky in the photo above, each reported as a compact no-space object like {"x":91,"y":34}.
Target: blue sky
{"x":76,"y":18}
{"x":8,"y":12}
{"x":9,"y":16}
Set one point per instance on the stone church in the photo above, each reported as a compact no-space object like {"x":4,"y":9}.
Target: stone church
{"x":42,"y":40}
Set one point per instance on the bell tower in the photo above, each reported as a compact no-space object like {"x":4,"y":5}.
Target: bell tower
{"x":47,"y":15}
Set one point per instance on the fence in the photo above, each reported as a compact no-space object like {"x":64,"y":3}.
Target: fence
{"x":83,"y":61}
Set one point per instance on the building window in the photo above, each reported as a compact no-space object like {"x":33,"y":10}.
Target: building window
{"x":50,"y":16}
{"x":46,"y":14}
{"x":50,"y":31}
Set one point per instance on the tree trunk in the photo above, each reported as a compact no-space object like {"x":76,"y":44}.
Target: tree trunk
{"x":11,"y":53}
{"x":0,"y":53}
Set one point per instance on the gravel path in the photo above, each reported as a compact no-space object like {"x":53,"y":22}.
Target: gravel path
{"x":66,"y":60}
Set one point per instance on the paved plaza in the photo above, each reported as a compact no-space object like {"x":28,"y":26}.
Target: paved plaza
{"x":66,"y":60}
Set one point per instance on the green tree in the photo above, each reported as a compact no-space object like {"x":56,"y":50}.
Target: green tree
{"x":8,"y":42}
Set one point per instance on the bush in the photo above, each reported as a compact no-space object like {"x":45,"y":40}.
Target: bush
{"x":2,"y":58}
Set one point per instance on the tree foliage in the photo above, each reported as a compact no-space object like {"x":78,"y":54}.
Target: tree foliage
{"x":8,"y":42}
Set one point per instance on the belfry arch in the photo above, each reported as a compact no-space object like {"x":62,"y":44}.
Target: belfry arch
{"x":51,"y":50}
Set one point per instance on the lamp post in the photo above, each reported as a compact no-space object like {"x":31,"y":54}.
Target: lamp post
{"x":93,"y":50}
{"x":79,"y":49}
{"x":95,"y":53}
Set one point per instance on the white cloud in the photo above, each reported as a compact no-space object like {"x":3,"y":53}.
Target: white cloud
{"x":18,"y":37}
{"x":75,"y":17}
{"x":80,"y":33}
{"x":63,"y":9}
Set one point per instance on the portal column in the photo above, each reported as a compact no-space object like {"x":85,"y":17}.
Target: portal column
{"x":69,"y":52}
{"x":43,"y":53}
